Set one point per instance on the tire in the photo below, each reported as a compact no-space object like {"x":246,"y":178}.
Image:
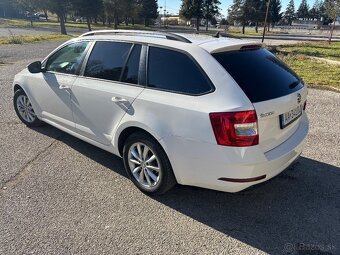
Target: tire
{"x":24,"y":109}
{"x":160,"y":180}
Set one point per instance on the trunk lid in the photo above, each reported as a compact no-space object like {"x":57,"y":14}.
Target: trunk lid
{"x":277,"y":93}
{"x":270,"y":113}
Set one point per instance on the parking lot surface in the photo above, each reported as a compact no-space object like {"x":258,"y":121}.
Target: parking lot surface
{"x":59,"y":195}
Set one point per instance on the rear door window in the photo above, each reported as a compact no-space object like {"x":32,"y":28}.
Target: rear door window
{"x":174,"y":71}
{"x":107,"y":60}
{"x":260,"y":74}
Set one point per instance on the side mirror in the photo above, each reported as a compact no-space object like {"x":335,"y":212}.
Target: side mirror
{"x":35,"y":67}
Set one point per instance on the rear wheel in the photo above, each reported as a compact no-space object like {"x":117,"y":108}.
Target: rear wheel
{"x":147,"y":164}
{"x":24,"y":109}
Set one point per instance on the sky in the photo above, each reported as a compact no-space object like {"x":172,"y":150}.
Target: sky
{"x":173,"y":6}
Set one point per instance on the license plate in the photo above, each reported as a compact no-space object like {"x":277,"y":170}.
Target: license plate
{"x":289,"y":117}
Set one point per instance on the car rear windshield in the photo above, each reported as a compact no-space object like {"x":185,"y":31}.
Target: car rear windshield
{"x":260,"y":74}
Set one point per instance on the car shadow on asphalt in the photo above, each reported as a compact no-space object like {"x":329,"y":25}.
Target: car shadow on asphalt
{"x":298,"y":212}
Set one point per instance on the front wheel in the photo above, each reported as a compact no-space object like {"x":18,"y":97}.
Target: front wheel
{"x":147,"y":164}
{"x":24,"y":109}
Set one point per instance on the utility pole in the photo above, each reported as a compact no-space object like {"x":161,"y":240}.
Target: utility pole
{"x":265,"y":21}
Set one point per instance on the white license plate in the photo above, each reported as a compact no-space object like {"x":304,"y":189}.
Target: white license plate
{"x":290,"y":116}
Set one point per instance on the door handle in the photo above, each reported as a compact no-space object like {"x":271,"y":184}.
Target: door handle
{"x":64,"y":87}
{"x":119,"y":100}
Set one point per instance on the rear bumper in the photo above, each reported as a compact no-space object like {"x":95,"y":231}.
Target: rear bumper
{"x":217,"y":167}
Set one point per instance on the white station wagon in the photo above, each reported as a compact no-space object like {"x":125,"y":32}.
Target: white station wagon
{"x":217,"y":113}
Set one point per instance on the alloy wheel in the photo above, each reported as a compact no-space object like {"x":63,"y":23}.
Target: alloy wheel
{"x":25,"y":109}
{"x":144,"y":165}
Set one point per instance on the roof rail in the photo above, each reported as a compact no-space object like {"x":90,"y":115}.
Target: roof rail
{"x":167,"y":35}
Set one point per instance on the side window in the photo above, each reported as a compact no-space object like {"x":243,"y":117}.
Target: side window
{"x":107,"y":60}
{"x":67,"y":60}
{"x":174,"y":71}
{"x":130,"y":74}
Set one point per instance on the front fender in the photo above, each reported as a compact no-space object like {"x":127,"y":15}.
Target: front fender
{"x":21,"y":80}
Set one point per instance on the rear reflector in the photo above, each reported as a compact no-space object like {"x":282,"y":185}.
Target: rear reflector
{"x":254,"y":179}
{"x":238,"y":129}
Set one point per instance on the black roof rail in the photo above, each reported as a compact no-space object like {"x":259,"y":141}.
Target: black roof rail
{"x":167,"y":35}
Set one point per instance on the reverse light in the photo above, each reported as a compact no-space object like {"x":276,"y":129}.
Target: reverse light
{"x":238,"y":129}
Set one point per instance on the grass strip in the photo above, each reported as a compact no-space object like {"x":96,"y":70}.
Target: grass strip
{"x":315,"y":73}
{"x":321,"y":50}
{"x":24,"y":39}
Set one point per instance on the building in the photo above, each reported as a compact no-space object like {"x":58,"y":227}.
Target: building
{"x":173,"y":20}
{"x":308,"y":23}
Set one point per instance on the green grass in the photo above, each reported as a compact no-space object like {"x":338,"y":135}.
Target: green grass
{"x":321,"y":50}
{"x":315,"y":73}
{"x":8,"y":23}
{"x":23,"y":39}
{"x":246,"y":33}
{"x":21,"y":23}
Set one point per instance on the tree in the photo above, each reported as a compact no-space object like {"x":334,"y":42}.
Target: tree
{"x":245,"y":12}
{"x":249,"y":13}
{"x":224,"y":22}
{"x":235,"y":12}
{"x":303,"y":10}
{"x":289,"y":15}
{"x":88,"y":9}
{"x":148,"y":10}
{"x":129,"y":10}
{"x":192,"y":9}
{"x":332,"y":9}
{"x":8,"y":8}
{"x":56,"y":6}
{"x":42,"y":5}
{"x":31,"y":6}
{"x":210,"y":10}
{"x":275,"y":14}
{"x":28,"y":6}
{"x":314,"y":12}
{"x":112,"y":9}
{"x":326,"y":18}
{"x":258,"y":12}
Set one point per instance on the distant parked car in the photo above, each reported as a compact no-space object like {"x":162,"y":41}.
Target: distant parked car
{"x":217,"y":113}
{"x":40,"y":16}
{"x":81,"y":19}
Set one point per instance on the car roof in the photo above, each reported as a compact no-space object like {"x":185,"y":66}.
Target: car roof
{"x":221,"y":44}
{"x":176,"y":40}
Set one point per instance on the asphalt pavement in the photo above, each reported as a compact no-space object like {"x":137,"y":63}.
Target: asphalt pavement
{"x":60,"y":195}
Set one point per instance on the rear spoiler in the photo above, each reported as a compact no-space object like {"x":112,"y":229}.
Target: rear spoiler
{"x":236,"y":47}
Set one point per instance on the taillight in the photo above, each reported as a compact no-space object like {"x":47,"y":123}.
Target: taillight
{"x":304,"y":105}
{"x":237,"y":129}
